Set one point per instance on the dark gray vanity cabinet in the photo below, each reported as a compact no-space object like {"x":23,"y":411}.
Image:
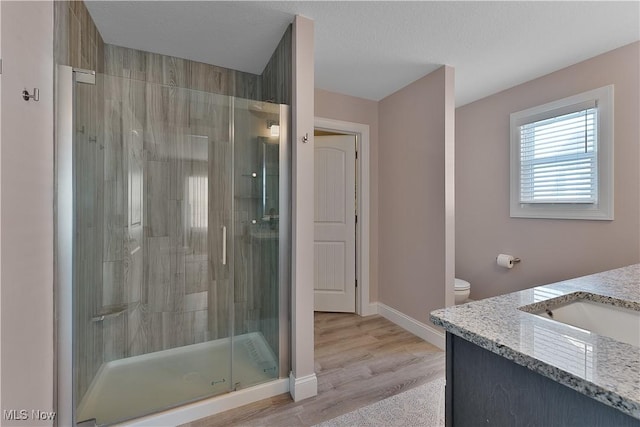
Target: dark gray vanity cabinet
{"x":485,"y":389}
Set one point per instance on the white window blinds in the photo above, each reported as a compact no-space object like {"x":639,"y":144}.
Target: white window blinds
{"x":558,"y":158}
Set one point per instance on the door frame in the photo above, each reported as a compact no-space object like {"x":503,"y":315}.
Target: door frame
{"x":361,"y":132}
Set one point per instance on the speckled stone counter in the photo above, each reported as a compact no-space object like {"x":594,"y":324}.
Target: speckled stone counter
{"x":596,"y":366}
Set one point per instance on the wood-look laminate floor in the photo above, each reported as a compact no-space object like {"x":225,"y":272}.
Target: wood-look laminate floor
{"x":358,"y":361}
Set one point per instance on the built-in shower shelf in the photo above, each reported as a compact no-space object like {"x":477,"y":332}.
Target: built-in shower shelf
{"x":110,"y":312}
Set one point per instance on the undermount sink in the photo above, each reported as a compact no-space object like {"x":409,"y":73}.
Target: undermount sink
{"x":619,"y":323}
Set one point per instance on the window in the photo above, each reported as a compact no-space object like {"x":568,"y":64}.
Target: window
{"x":562,"y":158}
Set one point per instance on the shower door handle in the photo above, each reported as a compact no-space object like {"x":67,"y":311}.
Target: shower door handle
{"x":224,"y":245}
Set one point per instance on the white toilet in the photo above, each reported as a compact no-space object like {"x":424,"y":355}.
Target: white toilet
{"x":463,"y":289}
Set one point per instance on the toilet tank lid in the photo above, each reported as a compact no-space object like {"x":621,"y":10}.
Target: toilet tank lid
{"x":462,"y":284}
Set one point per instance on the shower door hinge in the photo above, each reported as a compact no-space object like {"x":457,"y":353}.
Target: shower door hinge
{"x":0,"y":65}
{"x":356,"y":154}
{"x":356,"y":283}
{"x":85,"y":76}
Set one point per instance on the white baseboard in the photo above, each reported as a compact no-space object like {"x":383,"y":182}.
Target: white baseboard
{"x":426,"y":332}
{"x":370,"y":309}
{"x":205,"y":408}
{"x":303,"y":387}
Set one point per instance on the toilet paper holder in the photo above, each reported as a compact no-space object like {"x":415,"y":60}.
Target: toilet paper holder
{"x":508,"y":261}
{"x":515,"y":259}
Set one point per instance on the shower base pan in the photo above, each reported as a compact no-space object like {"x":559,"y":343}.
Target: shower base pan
{"x":140,"y":385}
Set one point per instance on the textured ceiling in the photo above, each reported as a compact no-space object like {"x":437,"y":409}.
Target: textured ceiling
{"x":372,"y":49}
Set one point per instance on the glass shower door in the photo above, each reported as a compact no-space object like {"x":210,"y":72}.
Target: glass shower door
{"x":153,"y":264}
{"x":257,"y":241}
{"x":172,"y":238}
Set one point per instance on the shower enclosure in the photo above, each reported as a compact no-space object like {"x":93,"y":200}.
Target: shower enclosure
{"x":172,"y":241}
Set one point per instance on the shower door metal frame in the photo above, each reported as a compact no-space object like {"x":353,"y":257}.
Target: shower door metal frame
{"x":284,"y":243}
{"x":64,"y":221}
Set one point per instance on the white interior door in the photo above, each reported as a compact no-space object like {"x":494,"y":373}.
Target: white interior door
{"x":335,"y":223}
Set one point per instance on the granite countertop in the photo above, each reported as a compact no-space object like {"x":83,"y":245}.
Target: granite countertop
{"x":595,"y":365}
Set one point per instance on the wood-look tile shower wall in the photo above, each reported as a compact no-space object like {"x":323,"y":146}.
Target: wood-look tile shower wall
{"x":276,"y":76}
{"x":136,"y":145}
